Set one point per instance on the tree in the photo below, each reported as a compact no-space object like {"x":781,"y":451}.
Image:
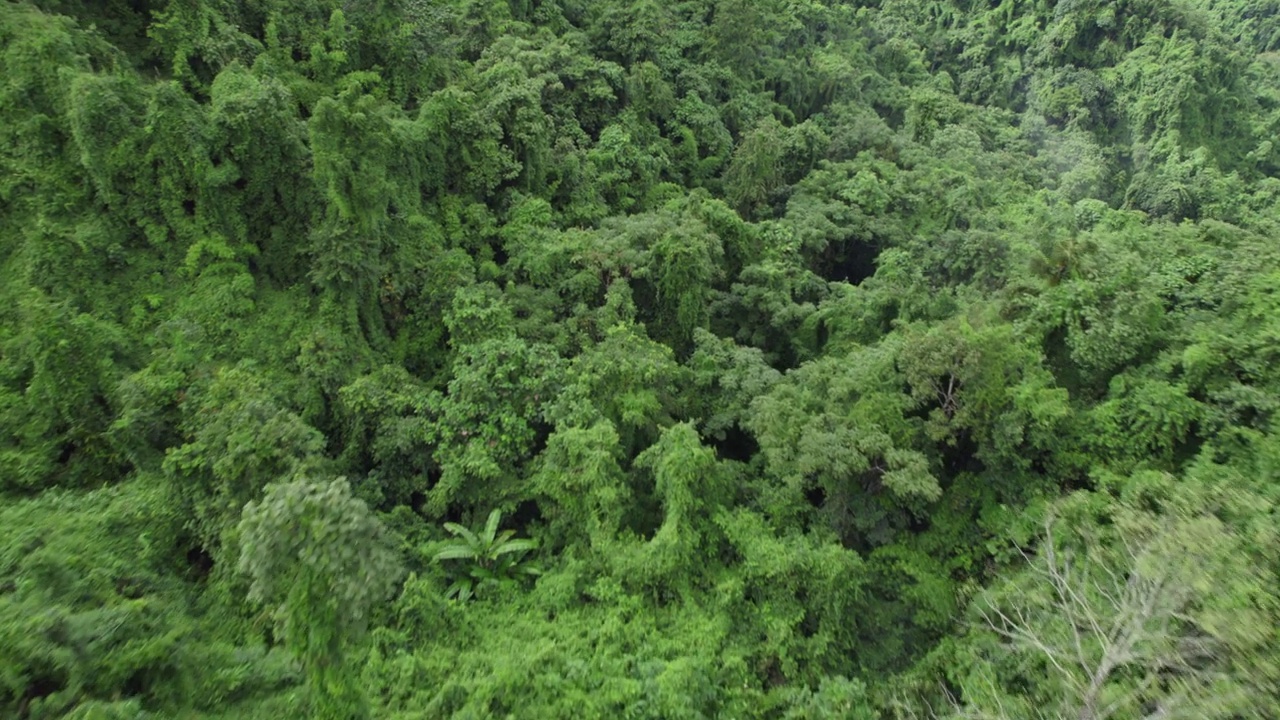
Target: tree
{"x":489,"y":422}
{"x":580,"y":476}
{"x":351,"y":141}
{"x":58,"y":371}
{"x":756,"y":169}
{"x":237,"y":439}
{"x":840,"y":431}
{"x":625,"y":378}
{"x":320,"y":560}
{"x":682,"y":265}
{"x":686,"y":480}
{"x":1144,"y":615}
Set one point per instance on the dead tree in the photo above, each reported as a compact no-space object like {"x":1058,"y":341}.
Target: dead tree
{"x":1116,"y":627}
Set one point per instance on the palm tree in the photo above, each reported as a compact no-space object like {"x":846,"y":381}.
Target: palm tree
{"x":1063,"y":259}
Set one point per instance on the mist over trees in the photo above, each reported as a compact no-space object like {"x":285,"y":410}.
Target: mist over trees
{"x":671,"y":360}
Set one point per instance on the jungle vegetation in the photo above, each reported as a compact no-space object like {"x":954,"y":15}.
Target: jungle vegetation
{"x":650,"y":359}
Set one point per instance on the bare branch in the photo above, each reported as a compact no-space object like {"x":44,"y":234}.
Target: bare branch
{"x":1115,"y":626}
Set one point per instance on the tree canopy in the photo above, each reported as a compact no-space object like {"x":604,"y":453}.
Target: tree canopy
{"x":687,"y":359}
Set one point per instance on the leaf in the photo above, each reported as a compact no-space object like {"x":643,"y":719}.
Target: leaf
{"x":456,"y":552}
{"x":491,"y":528}
{"x":514,"y":546}
{"x":459,"y":530}
{"x":461,"y":589}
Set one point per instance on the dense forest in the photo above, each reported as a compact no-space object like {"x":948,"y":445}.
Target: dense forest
{"x":651,"y":359}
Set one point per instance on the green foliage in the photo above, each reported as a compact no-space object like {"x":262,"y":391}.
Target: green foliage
{"x":1112,"y":618}
{"x":57,"y":392}
{"x":319,"y":560}
{"x":625,"y":378}
{"x":238,"y":439}
{"x":89,"y":605}
{"x":493,"y":558}
{"x":775,"y":325}
{"x":841,"y":427}
{"x":686,"y":483}
{"x":488,"y":422}
{"x":582,"y":479}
